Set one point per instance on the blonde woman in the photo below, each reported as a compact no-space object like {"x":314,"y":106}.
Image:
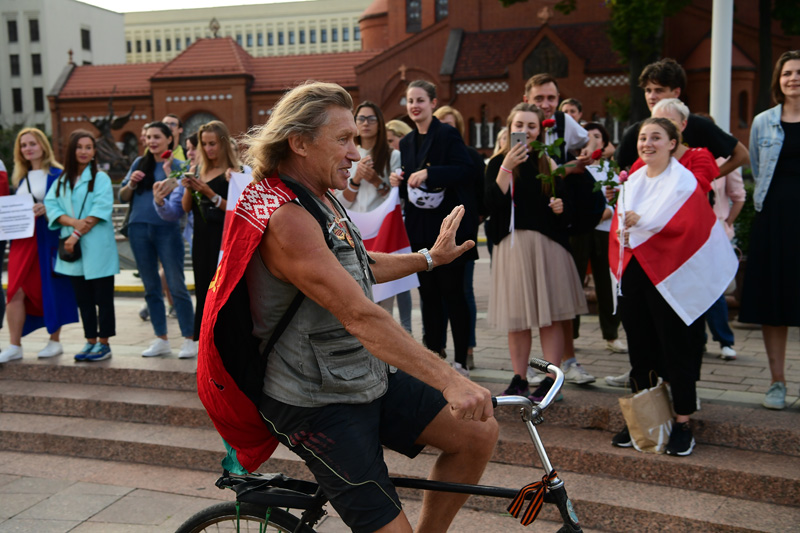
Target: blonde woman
{"x":205,"y":197}
{"x":36,"y":297}
{"x":396,"y":130}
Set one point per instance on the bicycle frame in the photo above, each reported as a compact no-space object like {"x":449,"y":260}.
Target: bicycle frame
{"x":277,"y":490}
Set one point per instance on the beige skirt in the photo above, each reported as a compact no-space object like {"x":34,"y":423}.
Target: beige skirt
{"x":534,"y":283}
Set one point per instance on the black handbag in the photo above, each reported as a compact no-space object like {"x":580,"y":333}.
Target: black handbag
{"x":75,"y":254}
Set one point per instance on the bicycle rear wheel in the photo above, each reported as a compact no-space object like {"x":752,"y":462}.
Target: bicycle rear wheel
{"x":252,"y":518}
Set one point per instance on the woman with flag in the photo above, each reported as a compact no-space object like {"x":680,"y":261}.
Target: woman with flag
{"x":674,"y":263}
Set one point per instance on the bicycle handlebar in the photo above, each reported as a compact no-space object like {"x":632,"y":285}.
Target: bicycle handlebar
{"x":535,"y":410}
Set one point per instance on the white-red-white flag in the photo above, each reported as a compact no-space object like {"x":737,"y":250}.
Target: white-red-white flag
{"x":678,"y":240}
{"x":383,"y":230}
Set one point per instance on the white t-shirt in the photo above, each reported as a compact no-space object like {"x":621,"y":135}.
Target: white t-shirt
{"x":599,"y":173}
{"x":368,"y":197}
{"x":38,"y":182}
{"x":575,"y":137}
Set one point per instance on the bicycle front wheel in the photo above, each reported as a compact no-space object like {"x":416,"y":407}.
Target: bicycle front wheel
{"x":223,"y":517}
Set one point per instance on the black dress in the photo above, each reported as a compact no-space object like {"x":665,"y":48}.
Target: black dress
{"x":771,"y":291}
{"x":206,"y":243}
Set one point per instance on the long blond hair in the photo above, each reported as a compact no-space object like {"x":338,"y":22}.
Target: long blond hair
{"x":21,"y":165}
{"x":224,"y":140}
{"x":301,"y":111}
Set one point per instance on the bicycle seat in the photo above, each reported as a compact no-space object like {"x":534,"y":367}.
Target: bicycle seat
{"x":271,"y":490}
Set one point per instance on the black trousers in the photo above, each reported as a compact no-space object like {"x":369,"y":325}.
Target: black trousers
{"x":95,"y":299}
{"x":445,"y":284}
{"x":659,"y":342}
{"x":593,"y":247}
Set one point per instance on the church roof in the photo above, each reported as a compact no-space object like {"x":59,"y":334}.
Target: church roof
{"x":92,"y":81}
{"x":488,"y":54}
{"x":213,"y":58}
{"x":206,"y":58}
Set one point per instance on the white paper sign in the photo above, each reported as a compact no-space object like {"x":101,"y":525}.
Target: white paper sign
{"x":16,"y":217}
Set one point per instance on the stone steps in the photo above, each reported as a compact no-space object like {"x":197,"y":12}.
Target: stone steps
{"x":602,"y":501}
{"x":743,"y":475}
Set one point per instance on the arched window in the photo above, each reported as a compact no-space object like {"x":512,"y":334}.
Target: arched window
{"x":193,"y":123}
{"x":546,"y":58}
{"x":743,"y":112}
{"x":442,"y":9}
{"x":130,"y":145}
{"x":413,"y":16}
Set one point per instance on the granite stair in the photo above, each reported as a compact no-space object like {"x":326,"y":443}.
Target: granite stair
{"x":743,"y":476}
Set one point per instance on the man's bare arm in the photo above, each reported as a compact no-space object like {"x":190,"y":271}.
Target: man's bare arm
{"x":739,"y":157}
{"x":294,"y":250}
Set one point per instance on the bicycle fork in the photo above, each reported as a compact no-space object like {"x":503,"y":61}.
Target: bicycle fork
{"x":556,"y":492}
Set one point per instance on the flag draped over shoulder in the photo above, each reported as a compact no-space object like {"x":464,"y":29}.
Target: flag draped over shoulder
{"x":383,"y":231}
{"x":230,"y":369}
{"x":678,"y":241}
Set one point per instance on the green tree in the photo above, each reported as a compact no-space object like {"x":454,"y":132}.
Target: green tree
{"x":788,"y":13}
{"x":7,"y":137}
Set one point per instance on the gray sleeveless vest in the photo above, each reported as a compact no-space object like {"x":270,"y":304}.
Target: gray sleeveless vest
{"x":315,"y":361}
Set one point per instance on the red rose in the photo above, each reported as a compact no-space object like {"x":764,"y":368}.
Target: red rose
{"x":597,"y":154}
{"x":167,"y":154}
{"x":623,"y":176}
{"x":549,"y":123}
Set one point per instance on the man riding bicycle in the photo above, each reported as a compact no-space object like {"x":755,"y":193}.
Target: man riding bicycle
{"x":330,"y":391}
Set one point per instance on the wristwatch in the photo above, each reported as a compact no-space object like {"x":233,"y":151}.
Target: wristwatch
{"x":428,"y":258}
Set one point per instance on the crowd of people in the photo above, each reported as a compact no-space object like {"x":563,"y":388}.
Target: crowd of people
{"x":671,"y":188}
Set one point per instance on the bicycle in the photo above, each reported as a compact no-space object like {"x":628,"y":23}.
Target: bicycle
{"x":263,"y":501}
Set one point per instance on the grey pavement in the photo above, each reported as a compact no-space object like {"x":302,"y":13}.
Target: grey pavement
{"x":46,"y":493}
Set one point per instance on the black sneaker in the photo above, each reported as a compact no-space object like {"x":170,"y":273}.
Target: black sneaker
{"x":544,"y":387}
{"x":681,"y":441}
{"x":518,"y":387}
{"x":622,"y":439}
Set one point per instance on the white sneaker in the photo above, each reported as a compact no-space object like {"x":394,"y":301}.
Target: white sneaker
{"x":188,"y":349}
{"x":52,"y":349}
{"x":158,"y":347}
{"x":534,"y":378}
{"x":616,"y":346}
{"x":11,"y":353}
{"x":460,"y":369}
{"x":727,"y":353}
{"x":575,"y":373}
{"x":619,"y":381}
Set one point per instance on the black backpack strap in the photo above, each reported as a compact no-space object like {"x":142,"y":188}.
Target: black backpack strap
{"x":305,"y":199}
{"x":560,"y":120}
{"x":284,"y":322}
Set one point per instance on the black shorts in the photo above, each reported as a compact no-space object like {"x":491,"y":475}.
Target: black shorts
{"x":342,"y":445}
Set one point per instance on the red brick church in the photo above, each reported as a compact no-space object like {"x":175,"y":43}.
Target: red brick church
{"x":478,"y":53}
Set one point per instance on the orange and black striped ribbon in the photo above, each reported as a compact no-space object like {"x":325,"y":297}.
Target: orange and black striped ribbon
{"x":535,"y":492}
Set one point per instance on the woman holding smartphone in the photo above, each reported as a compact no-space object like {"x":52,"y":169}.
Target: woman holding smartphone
{"x":535,"y":283}
{"x":437,"y":176}
{"x":205,"y":195}
{"x":154,"y":239}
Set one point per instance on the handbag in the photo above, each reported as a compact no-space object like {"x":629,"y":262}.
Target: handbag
{"x":75,"y":254}
{"x":648,"y":414}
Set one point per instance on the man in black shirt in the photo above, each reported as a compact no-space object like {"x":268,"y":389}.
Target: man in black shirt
{"x":667,"y":79}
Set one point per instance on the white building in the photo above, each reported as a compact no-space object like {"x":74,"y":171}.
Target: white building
{"x":290,"y":28}
{"x":36,"y":37}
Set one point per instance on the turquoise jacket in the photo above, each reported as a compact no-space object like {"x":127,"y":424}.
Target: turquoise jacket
{"x":766,"y":141}
{"x":99,"y":258}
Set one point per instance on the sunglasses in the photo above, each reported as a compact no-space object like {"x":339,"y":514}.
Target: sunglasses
{"x":372,"y":119}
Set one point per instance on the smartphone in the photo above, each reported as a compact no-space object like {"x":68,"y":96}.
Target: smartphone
{"x":170,"y":184}
{"x":519,"y":137}
{"x":189,"y":175}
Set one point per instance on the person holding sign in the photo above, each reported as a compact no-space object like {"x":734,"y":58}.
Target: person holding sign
{"x":36,"y":297}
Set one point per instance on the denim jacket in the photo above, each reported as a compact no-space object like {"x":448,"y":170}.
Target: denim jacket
{"x":766,"y":141}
